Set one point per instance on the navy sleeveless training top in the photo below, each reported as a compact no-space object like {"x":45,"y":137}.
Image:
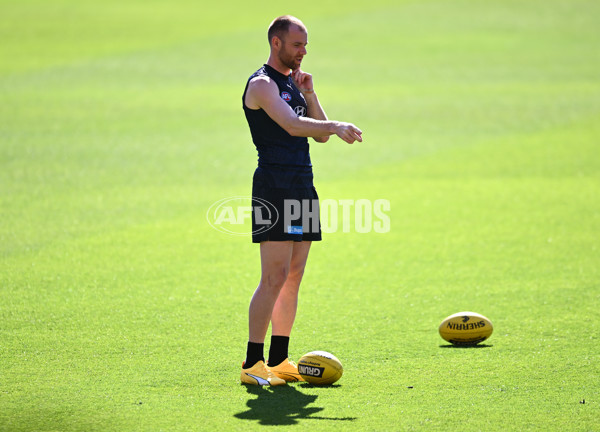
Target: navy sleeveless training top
{"x":285,"y":157}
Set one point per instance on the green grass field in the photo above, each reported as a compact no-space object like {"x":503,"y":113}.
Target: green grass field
{"x":121,"y":309}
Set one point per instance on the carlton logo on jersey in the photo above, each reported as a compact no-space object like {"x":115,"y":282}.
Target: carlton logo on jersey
{"x":286,"y":96}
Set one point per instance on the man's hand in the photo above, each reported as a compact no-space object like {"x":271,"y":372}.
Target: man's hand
{"x":348,"y":132}
{"x":303,"y":81}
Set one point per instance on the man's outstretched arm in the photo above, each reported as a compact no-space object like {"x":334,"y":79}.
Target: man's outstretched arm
{"x":263,"y":93}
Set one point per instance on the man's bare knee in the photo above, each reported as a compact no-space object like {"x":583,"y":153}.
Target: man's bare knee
{"x":275,"y":279}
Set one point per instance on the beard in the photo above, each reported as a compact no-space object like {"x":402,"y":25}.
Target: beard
{"x":288,"y":60}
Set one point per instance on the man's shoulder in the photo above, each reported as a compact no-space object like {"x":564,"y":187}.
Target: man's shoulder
{"x":260,"y":88}
{"x":261,"y":72}
{"x":261,"y":80}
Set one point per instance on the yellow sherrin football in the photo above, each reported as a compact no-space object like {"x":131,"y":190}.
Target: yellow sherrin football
{"x":466,"y":328}
{"x":320,"y":367}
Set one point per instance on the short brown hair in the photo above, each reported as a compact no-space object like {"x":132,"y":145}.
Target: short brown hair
{"x":281,"y":25}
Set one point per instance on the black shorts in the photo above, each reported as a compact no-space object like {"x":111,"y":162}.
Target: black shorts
{"x":284,"y":213}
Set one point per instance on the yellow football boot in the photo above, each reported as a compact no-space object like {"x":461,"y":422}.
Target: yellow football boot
{"x":287,"y":370}
{"x":259,"y":374}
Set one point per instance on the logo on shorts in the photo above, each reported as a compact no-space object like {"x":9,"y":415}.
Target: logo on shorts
{"x":291,"y":229}
{"x":233,"y":215}
{"x":286,"y":96}
{"x":300,"y":111}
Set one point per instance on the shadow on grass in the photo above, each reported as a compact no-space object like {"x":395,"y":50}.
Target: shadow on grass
{"x":467,"y":346}
{"x":283,"y":405}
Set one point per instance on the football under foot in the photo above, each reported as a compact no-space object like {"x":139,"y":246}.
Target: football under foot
{"x":260,"y":374}
{"x":287,"y":370}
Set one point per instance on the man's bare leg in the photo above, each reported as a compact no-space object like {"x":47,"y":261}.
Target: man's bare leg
{"x":275,"y":260}
{"x":284,"y":311}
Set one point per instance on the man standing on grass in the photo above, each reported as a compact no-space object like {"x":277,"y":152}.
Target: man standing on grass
{"x":282,"y":110}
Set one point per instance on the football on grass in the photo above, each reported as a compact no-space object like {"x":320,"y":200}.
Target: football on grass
{"x":466,"y":328}
{"x":320,"y":368}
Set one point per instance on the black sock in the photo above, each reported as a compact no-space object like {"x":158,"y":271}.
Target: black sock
{"x":278,"y":351}
{"x":254,"y":354}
